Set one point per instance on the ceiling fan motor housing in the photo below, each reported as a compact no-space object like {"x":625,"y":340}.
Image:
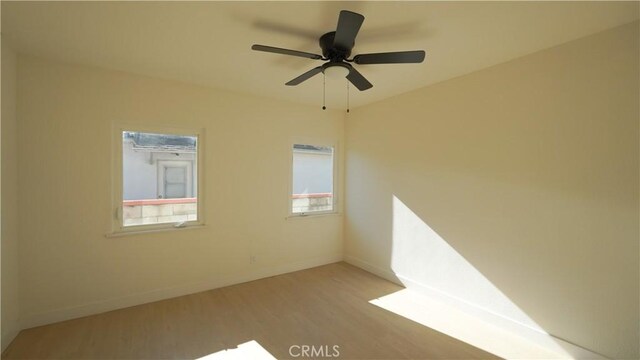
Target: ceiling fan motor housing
{"x":332,"y":52}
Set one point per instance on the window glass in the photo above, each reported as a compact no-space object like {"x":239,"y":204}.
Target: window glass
{"x":312,"y":189}
{"x":159,"y":178}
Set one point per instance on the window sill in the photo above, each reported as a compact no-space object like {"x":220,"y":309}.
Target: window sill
{"x":297,"y":217}
{"x":123,"y":233}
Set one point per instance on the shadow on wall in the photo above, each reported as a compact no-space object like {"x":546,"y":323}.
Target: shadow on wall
{"x":418,"y":250}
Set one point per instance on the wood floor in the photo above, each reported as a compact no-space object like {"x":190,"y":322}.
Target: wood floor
{"x":327,"y":305}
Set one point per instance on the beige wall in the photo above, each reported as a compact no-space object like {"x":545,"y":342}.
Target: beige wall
{"x":514,"y":188}
{"x":9,"y":191}
{"x":69,"y":268}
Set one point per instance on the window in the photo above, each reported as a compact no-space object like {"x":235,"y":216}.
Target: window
{"x":158,"y":180}
{"x":312,"y":189}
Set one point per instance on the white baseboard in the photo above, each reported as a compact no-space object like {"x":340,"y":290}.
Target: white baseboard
{"x":383,"y":273}
{"x":539,"y":337}
{"x":97,"y":307}
{"x":7,"y":338}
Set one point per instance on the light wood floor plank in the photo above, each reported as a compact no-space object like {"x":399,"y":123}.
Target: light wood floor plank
{"x":327,"y":305}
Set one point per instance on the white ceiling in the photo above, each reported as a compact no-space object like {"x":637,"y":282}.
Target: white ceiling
{"x":209,"y":43}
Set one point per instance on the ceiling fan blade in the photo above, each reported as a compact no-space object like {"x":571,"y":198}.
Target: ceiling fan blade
{"x":348,"y":26}
{"x":400,"y":57}
{"x":276,"y":50}
{"x":358,"y":80}
{"x":305,"y":76}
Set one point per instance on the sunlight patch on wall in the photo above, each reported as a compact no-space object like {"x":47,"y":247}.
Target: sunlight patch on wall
{"x":427,"y":264}
{"x":249,"y":350}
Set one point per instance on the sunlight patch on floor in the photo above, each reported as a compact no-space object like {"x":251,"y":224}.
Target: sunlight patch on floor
{"x":445,"y":319}
{"x":249,"y":350}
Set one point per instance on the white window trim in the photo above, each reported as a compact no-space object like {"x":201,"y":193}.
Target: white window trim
{"x":117,"y":227}
{"x":316,"y":142}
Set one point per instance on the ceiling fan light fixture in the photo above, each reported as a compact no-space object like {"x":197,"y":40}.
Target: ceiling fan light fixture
{"x":336,"y":72}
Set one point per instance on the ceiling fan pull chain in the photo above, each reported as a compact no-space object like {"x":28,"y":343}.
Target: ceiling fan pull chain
{"x":324,"y":87}
{"x":347,"y":96}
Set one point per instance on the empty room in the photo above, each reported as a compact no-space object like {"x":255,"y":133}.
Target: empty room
{"x":320,"y":180}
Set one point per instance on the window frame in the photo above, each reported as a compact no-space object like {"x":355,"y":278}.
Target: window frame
{"x":313,"y":142}
{"x":117,"y":180}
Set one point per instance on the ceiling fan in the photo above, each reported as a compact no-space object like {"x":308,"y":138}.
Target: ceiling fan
{"x":336,"y":48}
